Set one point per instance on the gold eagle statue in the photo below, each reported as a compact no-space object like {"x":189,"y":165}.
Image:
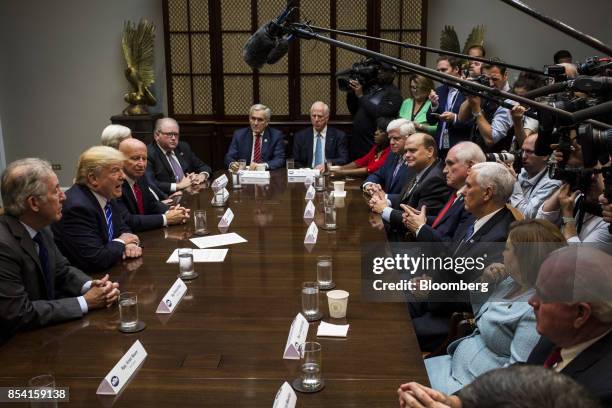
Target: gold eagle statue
{"x":450,"y":42}
{"x":137,"y":43}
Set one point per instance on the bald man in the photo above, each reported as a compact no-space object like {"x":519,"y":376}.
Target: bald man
{"x":139,"y":207}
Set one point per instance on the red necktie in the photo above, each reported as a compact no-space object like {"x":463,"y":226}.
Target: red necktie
{"x":553,"y":358}
{"x":448,"y":205}
{"x":257,"y":152}
{"x":138,"y":195}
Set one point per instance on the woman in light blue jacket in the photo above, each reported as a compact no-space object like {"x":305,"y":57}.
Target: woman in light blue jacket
{"x":505,"y":324}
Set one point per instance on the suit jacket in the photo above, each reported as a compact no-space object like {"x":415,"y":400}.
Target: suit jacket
{"x":384,"y":175}
{"x":153,"y":209}
{"x":431,"y":191}
{"x":82,"y":235}
{"x":272,"y":147}
{"x":458,"y":131}
{"x":161,"y":172}
{"x":24,"y":299}
{"x":589,"y":368}
{"x":336,"y":147}
{"x":446,"y":228}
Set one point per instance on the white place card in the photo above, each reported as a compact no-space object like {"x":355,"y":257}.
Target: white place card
{"x":311,"y":234}
{"x":309,"y":212}
{"x":303,"y":172}
{"x":121,"y":373}
{"x":297,"y":337}
{"x":172,"y":297}
{"x":255,"y":174}
{"x":220,"y":182}
{"x":332,"y":330}
{"x":218,"y":240}
{"x":310,"y":193}
{"x":225,"y":196}
{"x":202,"y":255}
{"x":227,"y":218}
{"x":285,"y":397}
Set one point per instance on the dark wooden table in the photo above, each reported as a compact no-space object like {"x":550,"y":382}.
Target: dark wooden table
{"x":223,"y":345}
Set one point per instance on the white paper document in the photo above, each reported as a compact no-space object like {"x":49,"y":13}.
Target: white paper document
{"x":172,"y":298}
{"x":220,"y":182}
{"x":297,"y":337}
{"x":218,"y":240}
{"x":310,"y":193}
{"x":311,"y":234}
{"x":285,"y":397}
{"x":309,"y":212}
{"x":121,"y":373}
{"x":227,"y":218}
{"x":332,"y":330}
{"x":202,"y":255}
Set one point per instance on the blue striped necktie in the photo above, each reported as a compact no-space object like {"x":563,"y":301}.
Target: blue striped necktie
{"x":108,"y":212}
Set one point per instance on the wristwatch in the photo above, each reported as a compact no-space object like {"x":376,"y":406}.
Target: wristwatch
{"x":477,"y":114}
{"x":567,"y":220}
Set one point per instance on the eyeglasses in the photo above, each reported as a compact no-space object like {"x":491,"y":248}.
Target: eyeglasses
{"x":169,"y":134}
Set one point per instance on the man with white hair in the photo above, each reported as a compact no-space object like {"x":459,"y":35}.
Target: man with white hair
{"x":92,"y":233}
{"x":112,"y":135}
{"x":316,"y":145}
{"x":258,"y":144}
{"x":393,"y":175}
{"x":38,"y":286}
{"x":573,"y":309}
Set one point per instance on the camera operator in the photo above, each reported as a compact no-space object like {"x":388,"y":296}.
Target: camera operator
{"x":492,"y":123}
{"x":524,"y":125}
{"x":368,"y":102}
{"x":533,"y":185}
{"x":475,"y":67}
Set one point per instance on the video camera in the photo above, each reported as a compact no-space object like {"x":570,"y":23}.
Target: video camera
{"x":365,"y":72}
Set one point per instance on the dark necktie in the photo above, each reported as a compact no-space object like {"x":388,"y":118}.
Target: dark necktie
{"x":138,"y":195}
{"x":397,"y":167}
{"x":257,"y":150}
{"x":448,"y":205}
{"x":553,"y":358}
{"x":108,"y":212}
{"x":176,"y":167}
{"x":468,"y":234}
{"x":43,"y":255}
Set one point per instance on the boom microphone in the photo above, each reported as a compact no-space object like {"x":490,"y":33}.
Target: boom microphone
{"x":267,"y":45}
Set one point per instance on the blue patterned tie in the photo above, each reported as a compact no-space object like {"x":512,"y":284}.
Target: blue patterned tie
{"x":43,"y":255}
{"x":108,"y":212}
{"x":318,"y":151}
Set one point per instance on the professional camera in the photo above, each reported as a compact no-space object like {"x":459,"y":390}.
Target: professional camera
{"x":595,"y":66}
{"x":365,"y":72}
{"x":503,"y":157}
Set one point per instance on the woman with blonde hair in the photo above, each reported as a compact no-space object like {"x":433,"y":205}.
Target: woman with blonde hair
{"x":416,"y":106}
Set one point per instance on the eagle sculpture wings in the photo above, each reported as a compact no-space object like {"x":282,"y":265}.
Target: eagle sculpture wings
{"x":137,"y":43}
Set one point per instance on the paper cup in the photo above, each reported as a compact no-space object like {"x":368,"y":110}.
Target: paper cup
{"x":339,"y":186}
{"x":337,"y":301}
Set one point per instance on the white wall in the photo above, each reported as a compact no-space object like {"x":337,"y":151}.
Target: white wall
{"x":516,"y":37}
{"x":61,"y":74}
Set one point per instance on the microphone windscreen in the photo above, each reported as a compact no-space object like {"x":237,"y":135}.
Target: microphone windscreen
{"x":278,"y":52}
{"x":258,"y":47}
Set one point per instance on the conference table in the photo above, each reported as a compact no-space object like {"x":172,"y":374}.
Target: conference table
{"x":223,"y":344}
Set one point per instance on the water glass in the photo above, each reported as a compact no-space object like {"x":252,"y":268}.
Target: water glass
{"x":320,"y":182}
{"x":242,"y":165}
{"x":219,"y":198}
{"x":310,"y":300}
{"x":46,"y":384}
{"x":310,"y":359}
{"x":185,"y":256}
{"x":330,"y":216}
{"x":236,"y":184}
{"x":324,"y":272}
{"x":128,"y":310}
{"x":199,"y":219}
{"x":290,"y":164}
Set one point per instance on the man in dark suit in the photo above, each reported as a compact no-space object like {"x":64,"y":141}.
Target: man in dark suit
{"x":445,"y":104}
{"x":141,"y":211}
{"x":314,"y":146}
{"x":38,"y":286}
{"x":442,"y":227}
{"x":257,"y":144}
{"x":172,"y":164}
{"x":92,"y":233}
{"x":427,"y":188}
{"x":573,"y":309}
{"x":394,"y":173}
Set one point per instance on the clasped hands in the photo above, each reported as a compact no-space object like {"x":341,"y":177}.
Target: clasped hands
{"x":102,"y":293}
{"x":177,"y":214}
{"x":415,"y":395}
{"x":191,"y":179}
{"x":412,"y":218}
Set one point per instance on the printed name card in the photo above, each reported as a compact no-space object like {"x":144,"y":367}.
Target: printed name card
{"x":172,"y":297}
{"x":220,"y":182}
{"x":227,"y":218}
{"x":225,"y":194}
{"x":309,"y":212}
{"x":285,"y":397}
{"x":297,"y":337}
{"x":255,"y":174}
{"x":310,"y":193}
{"x":303,"y":172}
{"x":311,"y":234}
{"x":121,"y":373}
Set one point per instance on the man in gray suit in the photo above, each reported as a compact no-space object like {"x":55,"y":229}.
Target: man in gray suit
{"x":38,"y":286}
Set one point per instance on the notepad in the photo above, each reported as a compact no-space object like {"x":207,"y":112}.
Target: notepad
{"x":332,"y":330}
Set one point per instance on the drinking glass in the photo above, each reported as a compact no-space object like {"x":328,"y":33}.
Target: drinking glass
{"x":128,"y":310}
{"x":310,"y":360}
{"x":310,"y":300}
